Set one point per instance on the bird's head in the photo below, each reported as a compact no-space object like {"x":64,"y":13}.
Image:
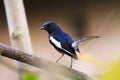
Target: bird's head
{"x":50,"y":27}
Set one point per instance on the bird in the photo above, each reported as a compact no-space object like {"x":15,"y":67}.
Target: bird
{"x":62,"y":41}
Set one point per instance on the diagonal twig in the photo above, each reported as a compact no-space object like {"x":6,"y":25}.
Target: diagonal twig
{"x":30,"y":59}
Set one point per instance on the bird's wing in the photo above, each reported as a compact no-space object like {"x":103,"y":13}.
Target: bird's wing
{"x":62,"y":48}
{"x":55,"y":42}
{"x":62,"y":41}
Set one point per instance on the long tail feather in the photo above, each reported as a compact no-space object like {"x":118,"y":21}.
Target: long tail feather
{"x":87,"y":39}
{"x":76,"y":43}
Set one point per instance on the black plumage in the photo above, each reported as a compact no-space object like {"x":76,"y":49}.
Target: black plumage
{"x":61,"y":41}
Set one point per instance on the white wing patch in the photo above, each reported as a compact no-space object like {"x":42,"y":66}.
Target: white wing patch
{"x":55,"y":42}
{"x":58,"y":44}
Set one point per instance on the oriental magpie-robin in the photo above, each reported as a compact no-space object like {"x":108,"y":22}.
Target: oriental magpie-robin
{"x":63,"y":42}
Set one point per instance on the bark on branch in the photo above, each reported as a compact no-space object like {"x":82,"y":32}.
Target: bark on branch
{"x":53,"y":68}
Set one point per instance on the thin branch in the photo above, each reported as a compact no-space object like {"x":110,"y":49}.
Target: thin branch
{"x":18,"y":29}
{"x":41,"y":63}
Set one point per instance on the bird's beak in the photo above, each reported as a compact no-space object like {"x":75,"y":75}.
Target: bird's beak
{"x":42,"y":28}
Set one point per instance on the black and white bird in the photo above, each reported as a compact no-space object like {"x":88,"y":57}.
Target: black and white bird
{"x":63,"y":42}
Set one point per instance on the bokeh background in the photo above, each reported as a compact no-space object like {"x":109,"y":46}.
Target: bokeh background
{"x":79,"y":18}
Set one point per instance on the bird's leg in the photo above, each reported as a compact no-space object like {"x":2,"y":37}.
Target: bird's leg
{"x":71,"y":62}
{"x":59,"y":58}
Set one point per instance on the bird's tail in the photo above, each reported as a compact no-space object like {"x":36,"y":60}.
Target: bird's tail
{"x":87,"y":39}
{"x":76,"y":43}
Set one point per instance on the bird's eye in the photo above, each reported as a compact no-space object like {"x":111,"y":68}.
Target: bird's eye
{"x":48,"y":25}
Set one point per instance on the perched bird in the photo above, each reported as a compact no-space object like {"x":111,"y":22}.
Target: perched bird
{"x":63,"y":42}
